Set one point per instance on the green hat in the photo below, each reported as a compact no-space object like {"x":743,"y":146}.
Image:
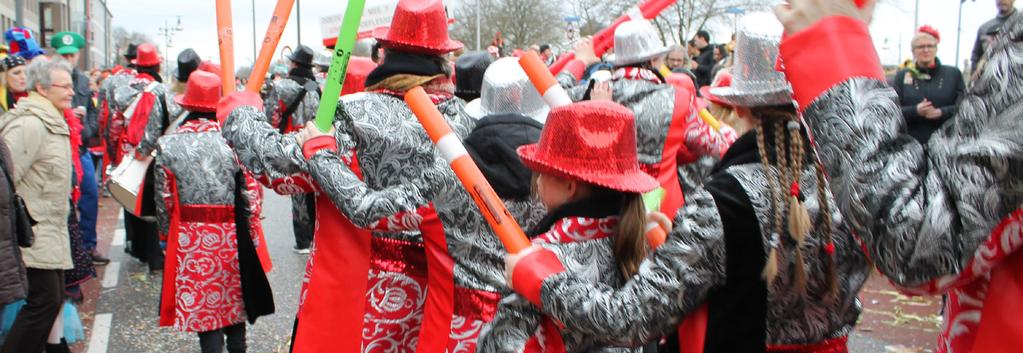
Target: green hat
{"x":67,"y":42}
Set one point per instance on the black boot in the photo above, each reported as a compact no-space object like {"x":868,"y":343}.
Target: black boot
{"x":58,"y":348}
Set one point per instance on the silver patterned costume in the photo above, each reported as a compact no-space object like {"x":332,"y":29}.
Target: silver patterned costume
{"x":934,"y":222}
{"x":709,"y":253}
{"x":111,"y":107}
{"x":401,"y":172}
{"x":585,"y":245}
{"x":196,"y":175}
{"x":279,"y":96}
{"x":160,"y":114}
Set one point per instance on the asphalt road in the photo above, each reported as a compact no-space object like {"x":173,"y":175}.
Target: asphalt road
{"x":120,"y":312}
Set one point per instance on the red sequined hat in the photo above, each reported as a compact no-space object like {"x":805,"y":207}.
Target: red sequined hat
{"x":418,"y":26}
{"x":355,"y":79}
{"x":202,"y":92}
{"x":592,"y":141}
{"x":147,"y":55}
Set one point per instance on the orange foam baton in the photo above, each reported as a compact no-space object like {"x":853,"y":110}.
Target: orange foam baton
{"x":555,"y":96}
{"x":225,"y":39}
{"x":544,"y":81}
{"x":500,"y":220}
{"x":605,"y":39}
{"x":270,"y":40}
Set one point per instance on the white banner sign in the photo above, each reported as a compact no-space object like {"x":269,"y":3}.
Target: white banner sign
{"x":377,"y":13}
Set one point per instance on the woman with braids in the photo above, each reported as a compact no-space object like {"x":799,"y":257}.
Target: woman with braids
{"x":596,"y":218}
{"x":761,"y":243}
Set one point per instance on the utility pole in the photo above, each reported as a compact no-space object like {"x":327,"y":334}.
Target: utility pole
{"x":916,"y":15}
{"x":19,"y":13}
{"x":478,"y":8}
{"x":959,"y":31}
{"x":168,"y":32}
{"x":254,"y":30}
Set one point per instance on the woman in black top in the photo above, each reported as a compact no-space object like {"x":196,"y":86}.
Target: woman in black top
{"x":928,"y":91}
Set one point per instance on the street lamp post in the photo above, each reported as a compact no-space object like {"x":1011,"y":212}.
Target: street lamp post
{"x":168,"y":31}
{"x":959,"y":30}
{"x":735,"y":11}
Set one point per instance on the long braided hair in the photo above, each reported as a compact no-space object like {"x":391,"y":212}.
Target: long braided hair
{"x":786,"y":169}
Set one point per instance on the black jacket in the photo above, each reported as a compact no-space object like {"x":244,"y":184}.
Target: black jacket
{"x":493,"y":144}
{"x":13,"y":280}
{"x":705,"y":65}
{"x":943,"y":89}
{"x":83,"y":98}
{"x":984,"y":33}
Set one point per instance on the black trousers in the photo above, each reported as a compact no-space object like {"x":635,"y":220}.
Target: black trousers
{"x":32,"y":325}
{"x":213,"y":341}
{"x":303,"y":219}
{"x":144,"y":241}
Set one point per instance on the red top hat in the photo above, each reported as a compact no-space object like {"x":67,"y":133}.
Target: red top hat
{"x":147,"y":55}
{"x":202,"y":92}
{"x":723,"y":80}
{"x":355,"y":79}
{"x":418,"y":26}
{"x":591,"y":141}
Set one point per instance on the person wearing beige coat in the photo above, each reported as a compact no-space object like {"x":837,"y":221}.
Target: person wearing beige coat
{"x":39,"y":141}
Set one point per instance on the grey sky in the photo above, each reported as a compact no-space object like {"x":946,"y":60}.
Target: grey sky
{"x":893,"y":23}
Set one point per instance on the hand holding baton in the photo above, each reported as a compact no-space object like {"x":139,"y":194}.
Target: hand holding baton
{"x":605,"y":39}
{"x":500,"y":220}
{"x":555,"y":96}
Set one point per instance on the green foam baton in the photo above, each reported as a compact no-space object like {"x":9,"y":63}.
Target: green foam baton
{"x":339,"y":64}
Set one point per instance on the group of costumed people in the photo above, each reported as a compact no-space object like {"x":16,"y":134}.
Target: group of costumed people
{"x":765,"y":252}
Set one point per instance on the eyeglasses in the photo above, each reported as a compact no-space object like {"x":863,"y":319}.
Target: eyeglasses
{"x":67,"y":87}
{"x":927,"y":46}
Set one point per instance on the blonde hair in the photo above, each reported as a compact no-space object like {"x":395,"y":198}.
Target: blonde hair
{"x":729,"y":116}
{"x":786,"y":170}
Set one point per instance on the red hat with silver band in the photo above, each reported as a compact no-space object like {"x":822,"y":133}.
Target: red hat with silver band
{"x":418,"y":26}
{"x":591,"y":141}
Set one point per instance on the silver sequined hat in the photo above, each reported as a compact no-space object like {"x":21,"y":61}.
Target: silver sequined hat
{"x":637,"y":41}
{"x":507,"y":90}
{"x":755,"y":81}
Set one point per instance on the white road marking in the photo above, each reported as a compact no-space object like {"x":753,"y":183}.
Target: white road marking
{"x":100,"y":333}
{"x":118,"y":238}
{"x":110,"y":274}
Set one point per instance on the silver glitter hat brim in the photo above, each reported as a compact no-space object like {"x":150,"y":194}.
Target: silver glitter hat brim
{"x":767,"y":96}
{"x":645,"y":57}
{"x":476,"y":110}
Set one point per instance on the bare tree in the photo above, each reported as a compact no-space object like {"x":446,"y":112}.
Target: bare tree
{"x":521,"y":22}
{"x":676,"y":23}
{"x":122,"y":38}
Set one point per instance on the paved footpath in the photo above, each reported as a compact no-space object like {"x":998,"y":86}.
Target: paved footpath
{"x":120,"y":312}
